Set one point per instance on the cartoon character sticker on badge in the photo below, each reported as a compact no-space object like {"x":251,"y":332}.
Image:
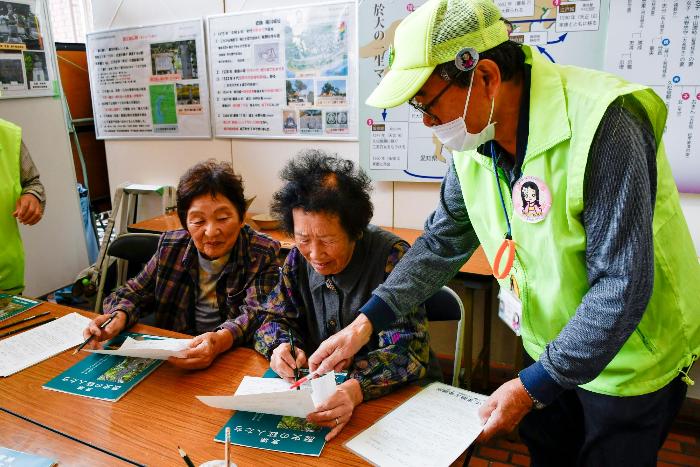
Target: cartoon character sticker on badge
{"x":466,"y":58}
{"x":531,"y":199}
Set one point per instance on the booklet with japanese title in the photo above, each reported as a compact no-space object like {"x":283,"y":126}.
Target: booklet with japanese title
{"x":280,"y":433}
{"x":11,"y":305}
{"x":106,"y":377}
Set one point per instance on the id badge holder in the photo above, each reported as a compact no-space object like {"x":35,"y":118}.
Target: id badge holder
{"x":510,"y":308}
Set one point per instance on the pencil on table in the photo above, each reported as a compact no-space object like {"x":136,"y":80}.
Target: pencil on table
{"x":185,"y":457}
{"x":24,"y":320}
{"x":24,"y":328}
{"x":227,"y":447}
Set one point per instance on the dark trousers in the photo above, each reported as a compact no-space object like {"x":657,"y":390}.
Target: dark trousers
{"x":582,"y":428}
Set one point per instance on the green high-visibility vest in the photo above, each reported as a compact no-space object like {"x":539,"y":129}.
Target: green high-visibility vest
{"x":11,"y":250}
{"x":566,"y":107}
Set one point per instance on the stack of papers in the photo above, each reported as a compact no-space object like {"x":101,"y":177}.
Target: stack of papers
{"x":42,"y":342}
{"x":432,"y":428}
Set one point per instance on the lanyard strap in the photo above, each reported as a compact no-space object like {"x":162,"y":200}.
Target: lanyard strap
{"x":508,"y":235}
{"x":508,"y":243}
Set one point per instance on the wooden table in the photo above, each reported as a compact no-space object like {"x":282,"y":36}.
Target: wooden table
{"x":21,"y":435}
{"x":477,"y":263}
{"x":150,"y":421}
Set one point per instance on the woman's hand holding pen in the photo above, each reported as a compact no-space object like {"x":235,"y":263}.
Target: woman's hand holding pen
{"x":283,"y":364}
{"x":112,"y":329}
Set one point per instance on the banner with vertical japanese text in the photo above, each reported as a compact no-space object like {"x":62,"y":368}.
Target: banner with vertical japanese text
{"x":150,"y":81}
{"x":285,"y":72}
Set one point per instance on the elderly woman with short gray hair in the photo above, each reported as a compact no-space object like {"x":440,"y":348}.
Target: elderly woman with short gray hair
{"x":338,"y":260}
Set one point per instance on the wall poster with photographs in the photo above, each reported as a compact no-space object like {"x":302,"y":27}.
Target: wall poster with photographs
{"x":285,"y":72}
{"x":26,"y":56}
{"x":150,"y":81}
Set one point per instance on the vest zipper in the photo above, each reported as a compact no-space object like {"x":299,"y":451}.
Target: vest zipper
{"x":647,"y":343}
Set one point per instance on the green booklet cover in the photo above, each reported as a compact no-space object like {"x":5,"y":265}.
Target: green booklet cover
{"x":10,"y":457}
{"x":11,"y":305}
{"x":106,"y":377}
{"x":275,"y":432}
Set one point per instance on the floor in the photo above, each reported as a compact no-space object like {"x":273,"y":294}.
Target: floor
{"x":682,"y":448}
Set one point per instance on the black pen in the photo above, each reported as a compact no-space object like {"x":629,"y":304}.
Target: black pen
{"x":185,"y":457}
{"x":294,"y":356}
{"x":24,"y":320}
{"x":28,"y":326}
{"x":102,"y":326}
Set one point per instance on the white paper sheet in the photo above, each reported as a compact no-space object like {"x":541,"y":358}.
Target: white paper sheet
{"x":159,"y":349}
{"x":432,"y":428}
{"x":42,"y":342}
{"x":273,"y":396}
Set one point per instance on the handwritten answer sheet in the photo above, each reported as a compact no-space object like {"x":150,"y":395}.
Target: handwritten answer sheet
{"x":432,"y":428}
{"x":159,"y":349}
{"x":273,"y":396}
{"x":42,"y":342}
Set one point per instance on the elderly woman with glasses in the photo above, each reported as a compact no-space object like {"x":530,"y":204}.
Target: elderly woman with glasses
{"x":337,"y":261}
{"x":207,"y":279}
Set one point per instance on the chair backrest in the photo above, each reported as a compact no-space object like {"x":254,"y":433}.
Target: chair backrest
{"x":134,"y":248}
{"x":446,"y":305}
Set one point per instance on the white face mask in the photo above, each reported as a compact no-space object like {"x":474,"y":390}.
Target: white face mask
{"x":454,"y":135}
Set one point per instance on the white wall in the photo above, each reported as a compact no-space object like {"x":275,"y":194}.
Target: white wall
{"x":55,"y":247}
{"x":162,"y":162}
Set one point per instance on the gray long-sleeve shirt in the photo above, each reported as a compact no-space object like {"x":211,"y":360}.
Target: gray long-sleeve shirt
{"x":619,"y":195}
{"x":29,"y":176}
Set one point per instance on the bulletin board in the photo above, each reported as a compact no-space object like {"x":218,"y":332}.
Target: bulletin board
{"x":27,"y":62}
{"x":285,"y":72}
{"x":150,"y":81}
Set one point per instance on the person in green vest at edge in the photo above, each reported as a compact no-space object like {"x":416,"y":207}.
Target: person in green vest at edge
{"x":22,"y":198}
{"x":560,"y":173}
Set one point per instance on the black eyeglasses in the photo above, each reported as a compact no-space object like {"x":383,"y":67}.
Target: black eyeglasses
{"x":425,"y":108}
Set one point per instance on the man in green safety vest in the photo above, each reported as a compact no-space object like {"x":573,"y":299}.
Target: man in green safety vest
{"x":22,"y":198}
{"x":560,"y":173}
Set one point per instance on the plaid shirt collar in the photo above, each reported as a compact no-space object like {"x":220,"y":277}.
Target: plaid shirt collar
{"x":237,"y":260}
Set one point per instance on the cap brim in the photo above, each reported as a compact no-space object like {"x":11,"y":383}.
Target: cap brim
{"x":398,"y":86}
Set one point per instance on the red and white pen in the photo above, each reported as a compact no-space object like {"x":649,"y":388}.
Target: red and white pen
{"x":301,"y":381}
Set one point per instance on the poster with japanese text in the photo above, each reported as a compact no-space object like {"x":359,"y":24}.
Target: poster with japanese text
{"x":285,"y":72}
{"x":150,"y":82}
{"x":394,"y":143}
{"x":657,"y":43}
{"x":26,"y":52}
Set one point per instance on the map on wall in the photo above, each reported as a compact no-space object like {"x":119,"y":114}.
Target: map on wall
{"x":394,"y":143}
{"x":285,"y":72}
{"x":150,"y":82}
{"x":26,"y":55}
{"x":656,"y":43}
